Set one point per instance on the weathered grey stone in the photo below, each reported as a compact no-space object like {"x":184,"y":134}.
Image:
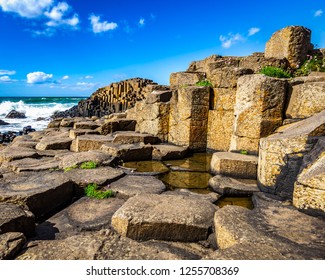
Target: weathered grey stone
{"x":99,"y":176}
{"x":186,"y":78}
{"x":67,"y":122}
{"x":306,"y":100}
{"x":126,"y":137}
{"x":229,"y":186}
{"x":74,"y":133}
{"x":168,"y":152}
{"x":91,"y":142}
{"x":188,"y":118}
{"x":14,"y":219}
{"x":137,"y":185}
{"x":86,"y":125}
{"x":309,"y":190}
{"x":10,"y":244}
{"x":209,"y":196}
{"x":272,"y":226}
{"x":54,"y":143}
{"x":9,"y":154}
{"x":92,"y":214}
{"x":78,"y":158}
{"x":164,"y":217}
{"x":102,"y":245}
{"x":292,"y":43}
{"x":258,"y":111}
{"x":128,"y":152}
{"x":113,"y":125}
{"x":234,"y":165}
{"x":281,"y":154}
{"x":32,"y":164}
{"x":41,"y":192}
{"x":54,"y":124}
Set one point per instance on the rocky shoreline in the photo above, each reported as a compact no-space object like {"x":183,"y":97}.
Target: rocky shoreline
{"x":266,"y":138}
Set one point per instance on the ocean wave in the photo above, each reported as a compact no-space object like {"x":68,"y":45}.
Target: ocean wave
{"x":38,"y":110}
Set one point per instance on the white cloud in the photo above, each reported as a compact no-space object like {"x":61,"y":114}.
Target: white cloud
{"x":252,"y":31}
{"x":88,"y":77}
{"x":230,"y":39}
{"x":5,"y":79}
{"x":58,"y":15}
{"x":99,"y":27}
{"x":318,"y":13}
{"x":39,"y":78}
{"x":26,"y":8}
{"x":66,"y":77}
{"x":142,"y":22}
{"x":7,"y":72}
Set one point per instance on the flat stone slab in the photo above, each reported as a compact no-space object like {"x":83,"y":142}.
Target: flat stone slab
{"x":33,"y":164}
{"x":91,"y":142}
{"x":111,"y":126}
{"x":74,"y":133}
{"x":164,"y":217}
{"x":14,"y":219}
{"x":100,"y":245}
{"x":168,"y":152}
{"x":127,"y":137}
{"x":10,"y":154}
{"x":209,"y":196}
{"x":234,"y":165}
{"x":145,"y":168}
{"x":232,"y":187}
{"x":271,"y":224}
{"x":130,"y":186}
{"x":100,"y":176}
{"x":129,"y":152}
{"x":86,"y":125}
{"x":93,"y":214}
{"x":40,"y":192}
{"x":73,"y":159}
{"x":10,"y":244}
{"x":54,"y":143}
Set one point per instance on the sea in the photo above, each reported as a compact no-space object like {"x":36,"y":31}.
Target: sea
{"x":37,"y":110}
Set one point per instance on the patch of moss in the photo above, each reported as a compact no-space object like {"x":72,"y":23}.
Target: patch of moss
{"x":88,"y":165}
{"x":204,"y":83}
{"x":93,"y":191}
{"x":70,"y":168}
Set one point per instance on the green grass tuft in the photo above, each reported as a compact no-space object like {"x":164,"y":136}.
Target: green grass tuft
{"x":92,"y":190}
{"x":271,"y":71}
{"x":204,"y":83}
{"x":88,"y":165}
{"x":243,"y":152}
{"x":312,"y":64}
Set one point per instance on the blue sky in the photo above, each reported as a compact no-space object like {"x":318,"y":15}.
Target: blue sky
{"x":73,"y":47}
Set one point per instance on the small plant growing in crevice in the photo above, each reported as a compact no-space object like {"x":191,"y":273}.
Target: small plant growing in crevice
{"x":275,"y":72}
{"x":88,"y":165}
{"x":243,"y":152}
{"x":312,"y":64}
{"x":70,"y":168}
{"x":204,"y":83}
{"x":93,"y":191}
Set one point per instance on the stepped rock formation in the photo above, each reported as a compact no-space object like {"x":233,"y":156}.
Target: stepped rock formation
{"x":267,"y":138}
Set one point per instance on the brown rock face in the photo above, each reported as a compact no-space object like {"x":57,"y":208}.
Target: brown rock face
{"x":292,"y":42}
{"x":188,"y":118}
{"x":259,"y":105}
{"x":309,"y":190}
{"x":281,"y":154}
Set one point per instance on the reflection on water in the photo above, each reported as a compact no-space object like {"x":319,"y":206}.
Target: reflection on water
{"x":189,"y":173}
{"x":186,"y":180}
{"x":238,"y":201}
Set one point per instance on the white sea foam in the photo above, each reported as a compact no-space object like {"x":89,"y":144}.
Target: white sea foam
{"x":32,"y":112}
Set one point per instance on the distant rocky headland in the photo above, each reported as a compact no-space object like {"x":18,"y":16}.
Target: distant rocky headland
{"x":146,"y":171}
